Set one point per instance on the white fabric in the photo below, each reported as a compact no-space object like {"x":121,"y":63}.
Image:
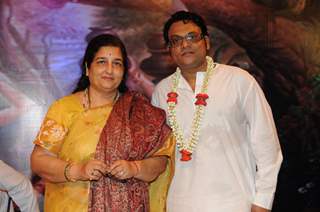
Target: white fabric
{"x":4,"y":198}
{"x":18,"y":187}
{"x":237,"y":137}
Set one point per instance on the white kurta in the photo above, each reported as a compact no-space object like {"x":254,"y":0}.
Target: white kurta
{"x":237,"y":137}
{"x":18,"y":187}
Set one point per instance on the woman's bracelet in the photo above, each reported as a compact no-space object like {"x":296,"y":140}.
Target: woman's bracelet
{"x":137,"y":165}
{"x":67,"y":172}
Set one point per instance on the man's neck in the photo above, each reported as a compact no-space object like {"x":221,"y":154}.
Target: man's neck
{"x":191,"y":75}
{"x":190,"y":78}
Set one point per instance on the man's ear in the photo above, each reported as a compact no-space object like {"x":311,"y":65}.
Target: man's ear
{"x":207,"y":41}
{"x":169,"y":50}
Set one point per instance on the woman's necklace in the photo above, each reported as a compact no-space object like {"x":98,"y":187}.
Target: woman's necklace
{"x":86,"y":102}
{"x":187,"y":147}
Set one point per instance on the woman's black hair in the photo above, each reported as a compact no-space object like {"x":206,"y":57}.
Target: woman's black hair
{"x":93,"y":47}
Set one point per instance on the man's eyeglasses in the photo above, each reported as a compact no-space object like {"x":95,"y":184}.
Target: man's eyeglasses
{"x":177,"y":41}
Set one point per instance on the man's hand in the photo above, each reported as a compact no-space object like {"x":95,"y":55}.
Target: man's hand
{"x":256,"y":208}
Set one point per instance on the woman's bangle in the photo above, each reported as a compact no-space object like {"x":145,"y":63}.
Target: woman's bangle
{"x":67,"y":172}
{"x":137,"y":165}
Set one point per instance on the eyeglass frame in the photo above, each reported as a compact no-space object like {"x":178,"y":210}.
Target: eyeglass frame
{"x":199,"y":37}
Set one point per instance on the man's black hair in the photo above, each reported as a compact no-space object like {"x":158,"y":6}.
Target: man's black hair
{"x":185,"y":17}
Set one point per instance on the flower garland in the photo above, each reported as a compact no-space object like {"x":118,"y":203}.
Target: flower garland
{"x":187,"y":147}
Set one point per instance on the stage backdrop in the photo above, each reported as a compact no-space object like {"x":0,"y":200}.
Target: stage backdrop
{"x":42,"y":43}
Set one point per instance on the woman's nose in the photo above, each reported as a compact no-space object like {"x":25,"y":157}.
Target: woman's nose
{"x":109,"y":67}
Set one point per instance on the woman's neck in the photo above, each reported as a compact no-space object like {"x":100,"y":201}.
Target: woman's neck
{"x":98,"y":98}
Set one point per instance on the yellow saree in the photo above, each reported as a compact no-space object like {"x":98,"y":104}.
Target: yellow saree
{"x":72,"y":133}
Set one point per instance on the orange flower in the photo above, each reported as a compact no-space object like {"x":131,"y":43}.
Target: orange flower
{"x":201,"y":99}
{"x":185,"y":155}
{"x":172,"y":97}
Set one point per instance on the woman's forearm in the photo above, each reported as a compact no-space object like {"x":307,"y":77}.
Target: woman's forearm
{"x":47,"y":165}
{"x":55,"y":170}
{"x":52,"y":169}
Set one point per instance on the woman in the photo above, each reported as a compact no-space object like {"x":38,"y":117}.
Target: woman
{"x":98,"y":148}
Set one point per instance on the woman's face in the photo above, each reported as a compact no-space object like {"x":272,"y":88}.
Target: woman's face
{"x":106,"y":70}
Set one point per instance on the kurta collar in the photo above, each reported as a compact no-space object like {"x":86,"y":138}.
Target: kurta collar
{"x":183,"y":84}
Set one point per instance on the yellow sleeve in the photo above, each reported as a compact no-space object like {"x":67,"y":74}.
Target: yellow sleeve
{"x":52,"y":131}
{"x":158,"y":189}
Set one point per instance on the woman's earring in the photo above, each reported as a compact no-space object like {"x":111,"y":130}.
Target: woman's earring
{"x":87,"y":71}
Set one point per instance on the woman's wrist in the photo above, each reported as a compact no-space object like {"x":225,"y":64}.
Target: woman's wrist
{"x":67,"y":172}
{"x":72,"y":172}
{"x":137,"y":167}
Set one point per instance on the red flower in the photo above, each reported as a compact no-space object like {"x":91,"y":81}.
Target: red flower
{"x":185,"y":155}
{"x":172,"y":97}
{"x":201,"y":99}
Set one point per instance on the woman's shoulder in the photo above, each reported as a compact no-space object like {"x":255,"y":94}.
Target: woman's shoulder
{"x":72,"y":101}
{"x":141,"y":107}
{"x":148,"y":108}
{"x":63,"y":110}
{"x":139,"y":99}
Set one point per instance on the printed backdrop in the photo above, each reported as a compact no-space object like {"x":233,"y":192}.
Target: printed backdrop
{"x":42,"y":43}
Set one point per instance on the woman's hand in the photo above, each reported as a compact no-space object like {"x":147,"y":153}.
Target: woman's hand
{"x":53,"y":169}
{"x":123,"y":169}
{"x":146,"y":170}
{"x":92,"y":170}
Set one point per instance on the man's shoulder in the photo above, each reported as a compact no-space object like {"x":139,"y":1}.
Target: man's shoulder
{"x":164,"y":83}
{"x":234,"y":72}
{"x":160,"y":91}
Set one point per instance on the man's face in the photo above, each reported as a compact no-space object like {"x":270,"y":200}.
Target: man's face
{"x":188,"y":47}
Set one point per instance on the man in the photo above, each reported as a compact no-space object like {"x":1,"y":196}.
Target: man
{"x":15,"y":186}
{"x":228,"y":154}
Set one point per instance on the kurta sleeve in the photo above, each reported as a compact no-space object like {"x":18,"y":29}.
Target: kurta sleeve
{"x":52,"y":131}
{"x":265,"y":144}
{"x":159,"y":188}
{"x":19,"y":188}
